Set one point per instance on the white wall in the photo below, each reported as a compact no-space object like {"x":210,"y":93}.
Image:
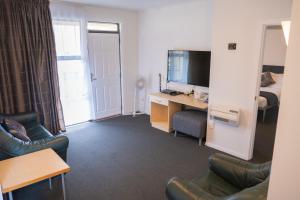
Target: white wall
{"x":181,"y":26}
{"x":129,"y":40}
{"x":234,"y":74}
{"x":285,"y":178}
{"x":274,"y":47}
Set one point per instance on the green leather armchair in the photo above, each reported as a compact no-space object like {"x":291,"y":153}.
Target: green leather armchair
{"x":40,"y":137}
{"x":228,"y":178}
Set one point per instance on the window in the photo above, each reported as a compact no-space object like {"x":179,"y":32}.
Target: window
{"x":67,"y":39}
{"x":72,"y":71}
{"x":103,"y":27}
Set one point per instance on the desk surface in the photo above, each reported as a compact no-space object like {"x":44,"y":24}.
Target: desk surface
{"x":25,"y":170}
{"x":183,"y":99}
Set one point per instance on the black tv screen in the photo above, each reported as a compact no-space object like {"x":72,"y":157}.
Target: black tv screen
{"x":189,"y":67}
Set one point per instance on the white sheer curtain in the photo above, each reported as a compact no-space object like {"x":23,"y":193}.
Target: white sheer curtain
{"x":74,"y":75}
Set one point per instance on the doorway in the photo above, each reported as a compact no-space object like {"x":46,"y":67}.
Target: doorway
{"x":89,"y":70}
{"x":105,"y":66}
{"x":272,"y":71}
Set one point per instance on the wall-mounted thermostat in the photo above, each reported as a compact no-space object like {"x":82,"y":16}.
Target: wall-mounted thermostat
{"x":232,"y":46}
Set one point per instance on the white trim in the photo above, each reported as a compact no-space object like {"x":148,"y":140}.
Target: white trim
{"x":1,"y":195}
{"x":113,"y":114}
{"x":262,"y":33}
{"x":286,"y":26}
{"x":95,"y":26}
{"x":227,"y":151}
{"x":122,"y":66}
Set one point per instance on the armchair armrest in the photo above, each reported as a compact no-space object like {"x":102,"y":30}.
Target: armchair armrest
{"x":178,"y":189}
{"x":57,"y":143}
{"x":240,"y":173}
{"x":28,"y":120}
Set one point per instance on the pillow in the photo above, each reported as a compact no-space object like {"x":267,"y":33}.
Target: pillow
{"x":15,"y":129}
{"x":266,"y":79}
{"x":277,"y":77}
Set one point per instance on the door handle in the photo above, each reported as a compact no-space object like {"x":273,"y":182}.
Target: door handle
{"x":93,"y":78}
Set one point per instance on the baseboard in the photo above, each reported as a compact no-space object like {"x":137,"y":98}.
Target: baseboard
{"x":109,"y":117}
{"x":227,"y":151}
{"x":131,"y":113}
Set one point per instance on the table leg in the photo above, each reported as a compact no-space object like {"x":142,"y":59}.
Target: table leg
{"x":50,"y":183}
{"x":63,"y":185}
{"x":10,"y":196}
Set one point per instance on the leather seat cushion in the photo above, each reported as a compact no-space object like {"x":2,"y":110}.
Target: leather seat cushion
{"x":38,"y":133}
{"x":215,"y":185}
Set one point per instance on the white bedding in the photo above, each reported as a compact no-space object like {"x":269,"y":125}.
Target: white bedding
{"x":274,"y":88}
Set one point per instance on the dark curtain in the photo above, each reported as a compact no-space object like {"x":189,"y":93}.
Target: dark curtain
{"x":28,"y":65}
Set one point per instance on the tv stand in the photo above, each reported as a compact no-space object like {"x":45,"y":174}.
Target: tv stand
{"x":164,"y":106}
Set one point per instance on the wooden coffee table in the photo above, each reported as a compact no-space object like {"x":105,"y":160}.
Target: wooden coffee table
{"x":18,"y":172}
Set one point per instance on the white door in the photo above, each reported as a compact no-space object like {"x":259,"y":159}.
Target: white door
{"x":104,"y":55}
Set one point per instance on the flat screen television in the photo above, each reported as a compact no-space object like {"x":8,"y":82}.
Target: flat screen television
{"x":189,"y":67}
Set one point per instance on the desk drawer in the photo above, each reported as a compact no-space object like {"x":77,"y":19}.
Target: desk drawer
{"x":159,"y":100}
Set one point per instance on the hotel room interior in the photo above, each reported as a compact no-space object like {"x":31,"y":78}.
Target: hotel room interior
{"x":149,"y":100}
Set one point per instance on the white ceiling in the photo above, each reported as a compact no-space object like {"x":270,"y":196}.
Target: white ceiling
{"x":131,"y":4}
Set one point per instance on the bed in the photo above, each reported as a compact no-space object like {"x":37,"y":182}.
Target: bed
{"x":270,"y":95}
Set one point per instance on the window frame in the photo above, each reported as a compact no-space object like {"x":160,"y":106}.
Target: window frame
{"x":104,"y":31}
{"x":70,"y":57}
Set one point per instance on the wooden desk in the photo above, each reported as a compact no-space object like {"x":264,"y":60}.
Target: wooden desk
{"x":164,"y":106}
{"x":25,"y":170}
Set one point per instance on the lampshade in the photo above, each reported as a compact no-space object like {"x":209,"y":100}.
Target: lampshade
{"x":286,"y":26}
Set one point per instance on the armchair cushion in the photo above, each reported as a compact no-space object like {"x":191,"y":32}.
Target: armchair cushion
{"x":38,"y":132}
{"x":179,"y":189}
{"x":215,"y":185}
{"x":258,"y":192}
{"x":208,"y":187}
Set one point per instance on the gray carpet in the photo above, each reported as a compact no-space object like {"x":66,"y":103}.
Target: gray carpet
{"x":123,"y":158}
{"x":265,"y":135}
